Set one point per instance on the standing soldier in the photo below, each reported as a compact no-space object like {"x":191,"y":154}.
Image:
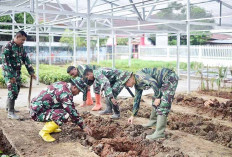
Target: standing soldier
{"x":164,"y":83}
{"x":112,"y":82}
{"x":78,"y":72}
{"x":13,"y":57}
{"x":54,"y":106}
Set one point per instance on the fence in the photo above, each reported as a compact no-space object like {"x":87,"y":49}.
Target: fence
{"x":61,"y":54}
{"x":211,"y":55}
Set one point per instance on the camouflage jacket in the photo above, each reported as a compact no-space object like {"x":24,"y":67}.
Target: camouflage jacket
{"x":112,"y":81}
{"x":57,"y":96}
{"x":81,"y":68}
{"x":145,"y":79}
{"x":13,"y":57}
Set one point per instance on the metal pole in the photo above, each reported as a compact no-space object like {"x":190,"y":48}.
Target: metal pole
{"x":113,"y":42}
{"x":74,"y":47}
{"x":130,"y":49}
{"x":50,"y":50}
{"x":88,"y":31}
{"x":178,"y":55}
{"x":13,"y":26}
{"x":220,"y":20}
{"x":98,"y":50}
{"x":37,"y":43}
{"x":25,"y":20}
{"x":188,"y":45}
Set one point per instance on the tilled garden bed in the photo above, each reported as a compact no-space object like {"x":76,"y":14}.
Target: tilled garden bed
{"x":222,"y":110}
{"x":221,"y":94}
{"x":111,"y":138}
{"x":202,"y":127}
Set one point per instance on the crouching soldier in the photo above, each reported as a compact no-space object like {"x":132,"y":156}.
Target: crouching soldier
{"x":55,"y":106}
{"x":87,"y":99}
{"x":112,"y":82}
{"x":164,"y":83}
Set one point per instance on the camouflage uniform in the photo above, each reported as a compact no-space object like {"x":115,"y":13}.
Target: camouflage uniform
{"x":13,"y":57}
{"x":163,"y":82}
{"x":112,"y":82}
{"x":81,"y":68}
{"x":55,"y":104}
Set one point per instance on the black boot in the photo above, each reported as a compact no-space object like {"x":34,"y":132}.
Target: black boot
{"x":108,"y":109}
{"x":7,"y":105}
{"x":116,"y":114}
{"x":11,"y":111}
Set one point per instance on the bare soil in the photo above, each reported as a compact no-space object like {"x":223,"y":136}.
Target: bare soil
{"x":192,"y":130}
{"x":223,"y":110}
{"x":221,"y":94}
{"x":5,"y":145}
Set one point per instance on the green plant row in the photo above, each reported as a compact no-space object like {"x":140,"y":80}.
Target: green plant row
{"x":137,"y":64}
{"x":49,"y":74}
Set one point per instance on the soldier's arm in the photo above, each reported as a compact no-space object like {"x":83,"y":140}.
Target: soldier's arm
{"x":137,"y":99}
{"x":7,"y":67}
{"x":101,"y":79}
{"x":27,"y":63}
{"x":68,"y":105}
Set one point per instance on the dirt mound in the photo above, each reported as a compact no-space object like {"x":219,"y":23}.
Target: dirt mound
{"x":221,"y":94}
{"x":5,"y":146}
{"x":126,"y":107}
{"x":223,"y":110}
{"x":113,"y":139}
{"x":201,"y":127}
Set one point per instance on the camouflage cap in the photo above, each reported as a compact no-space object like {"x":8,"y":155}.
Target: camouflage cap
{"x":125,"y":76}
{"x":80,"y":84}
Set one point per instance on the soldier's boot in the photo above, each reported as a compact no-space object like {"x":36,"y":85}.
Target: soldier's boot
{"x":48,"y":128}
{"x":8,"y":104}
{"x":116,"y":114}
{"x":108,"y":109}
{"x":98,"y":105}
{"x":57,"y":130}
{"x":11,"y":114}
{"x":152,"y":119}
{"x":89,"y":100}
{"x":160,"y":128}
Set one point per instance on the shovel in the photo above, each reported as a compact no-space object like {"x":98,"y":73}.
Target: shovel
{"x":29,"y":95}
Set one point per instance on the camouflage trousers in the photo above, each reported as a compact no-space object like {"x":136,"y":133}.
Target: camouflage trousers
{"x":168,"y":90}
{"x":59,"y":116}
{"x":13,"y":88}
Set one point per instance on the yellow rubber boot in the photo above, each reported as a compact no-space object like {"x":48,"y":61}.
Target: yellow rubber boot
{"x":89,"y":100}
{"x":57,"y":130}
{"x":98,"y":105}
{"x":48,"y":128}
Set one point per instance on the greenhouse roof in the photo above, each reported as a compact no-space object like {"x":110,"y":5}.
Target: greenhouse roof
{"x":123,"y":17}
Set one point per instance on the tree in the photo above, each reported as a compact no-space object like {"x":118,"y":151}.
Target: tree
{"x":67,"y":38}
{"x":122,"y":41}
{"x":19,"y":18}
{"x":178,"y":12}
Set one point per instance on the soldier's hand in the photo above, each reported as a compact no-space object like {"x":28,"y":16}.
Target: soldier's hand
{"x":114,"y":101}
{"x":88,"y":130}
{"x":131,"y":120}
{"x":208,"y":103}
{"x":13,"y":80}
{"x":33,"y":76}
{"x":157,"y":102}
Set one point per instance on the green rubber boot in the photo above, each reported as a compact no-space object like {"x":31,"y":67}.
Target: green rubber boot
{"x":160,"y":128}
{"x":152,"y":119}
